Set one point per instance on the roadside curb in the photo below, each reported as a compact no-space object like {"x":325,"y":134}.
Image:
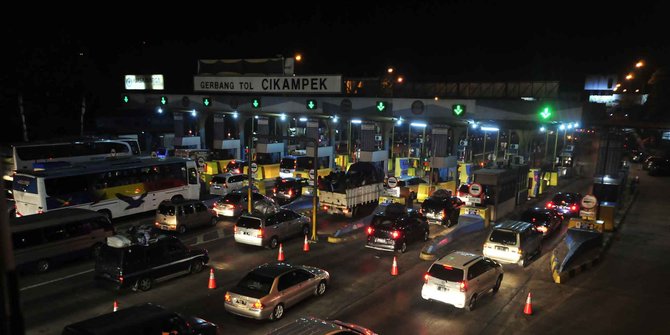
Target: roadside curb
{"x":562,"y":277}
{"x":342,"y":239}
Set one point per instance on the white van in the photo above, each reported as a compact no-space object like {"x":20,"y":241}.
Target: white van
{"x":222,"y":184}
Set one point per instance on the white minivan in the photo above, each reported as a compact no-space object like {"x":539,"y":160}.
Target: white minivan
{"x":223,"y":184}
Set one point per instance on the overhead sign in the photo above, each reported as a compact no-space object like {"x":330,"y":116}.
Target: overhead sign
{"x":475,"y":190}
{"x":392,"y":182}
{"x":144,"y":82}
{"x":589,"y":201}
{"x":277,"y":84}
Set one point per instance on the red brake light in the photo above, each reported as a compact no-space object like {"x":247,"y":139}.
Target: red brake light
{"x":573,"y":208}
{"x":425,"y":278}
{"x":120,"y":279}
{"x":370,"y":230}
{"x":227,"y":297}
{"x":447,"y":267}
{"x":260,"y":233}
{"x":550,"y":204}
{"x":463,"y":286}
{"x":234,"y":229}
{"x":290,"y":193}
{"x":395,"y":234}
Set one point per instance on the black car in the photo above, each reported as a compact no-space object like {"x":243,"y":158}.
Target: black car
{"x":545,"y":220}
{"x":395,"y":227}
{"x":566,"y":203}
{"x":236,"y":166}
{"x":288,"y":189}
{"x":142,"y":319}
{"x":441,"y":208}
{"x":123,"y":264}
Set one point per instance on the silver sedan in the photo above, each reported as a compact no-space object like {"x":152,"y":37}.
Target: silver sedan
{"x":266,"y":291}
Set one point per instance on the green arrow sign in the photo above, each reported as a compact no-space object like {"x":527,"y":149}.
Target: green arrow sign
{"x":163,"y":100}
{"x":206,"y":102}
{"x":256,"y":103}
{"x":125,"y":99}
{"x":311,"y":104}
{"x":546,"y":113}
{"x":381,"y":106}
{"x":458,"y":109}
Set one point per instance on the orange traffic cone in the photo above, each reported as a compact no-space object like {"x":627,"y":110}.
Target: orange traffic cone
{"x":528,"y":310}
{"x":305,"y":247}
{"x":212,"y":281}
{"x":280,"y":257}
{"x":116,"y":306}
{"x":394,"y":269}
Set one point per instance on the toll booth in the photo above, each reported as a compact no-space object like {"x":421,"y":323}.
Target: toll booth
{"x":499,"y":187}
{"x":268,"y":157}
{"x":406,"y":166}
{"x":521,"y":190}
{"x":226,"y":149}
{"x":443,"y":175}
{"x":187,"y":142}
{"x":465,"y":173}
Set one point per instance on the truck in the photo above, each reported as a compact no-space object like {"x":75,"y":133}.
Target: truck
{"x":345,"y":193}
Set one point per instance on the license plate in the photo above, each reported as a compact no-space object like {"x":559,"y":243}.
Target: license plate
{"x":380,"y":240}
{"x":241,"y":302}
{"x":442,"y":288}
{"x":164,"y":226}
{"x":501,"y":248}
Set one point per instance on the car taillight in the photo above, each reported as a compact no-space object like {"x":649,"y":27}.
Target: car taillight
{"x":210,"y":183}
{"x":257,"y":305}
{"x":274,"y":190}
{"x":550,"y":205}
{"x":395,"y":234}
{"x":463,"y":286}
{"x":542,"y":229}
{"x":325,"y":208}
{"x":290,"y":193}
{"x":156,"y":224}
{"x":40,"y":212}
{"x":370,"y":230}
{"x":225,"y":185}
{"x":573,"y":208}
{"x":234,"y":229}
{"x":227,"y":297}
{"x":420,"y":210}
{"x":425,"y":278}
{"x":443,"y":214}
{"x":260,"y":233}
{"x":120,"y":279}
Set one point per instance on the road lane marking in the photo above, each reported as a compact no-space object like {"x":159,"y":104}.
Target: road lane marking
{"x":54,"y":280}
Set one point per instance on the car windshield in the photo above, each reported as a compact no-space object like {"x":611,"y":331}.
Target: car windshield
{"x":231,"y":198}
{"x":446,"y":273}
{"x":534,"y":217}
{"x":218,"y":180}
{"x":249,"y":222}
{"x":166,"y":209}
{"x":287,"y":163}
{"x":502,"y":236}
{"x":256,"y":282}
{"x":560,"y":198}
{"x":434,"y":203}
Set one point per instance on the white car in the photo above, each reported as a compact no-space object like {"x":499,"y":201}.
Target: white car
{"x":461,"y":278}
{"x":223,"y":184}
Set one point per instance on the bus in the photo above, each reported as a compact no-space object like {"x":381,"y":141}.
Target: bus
{"x":30,"y":156}
{"x":115,"y":188}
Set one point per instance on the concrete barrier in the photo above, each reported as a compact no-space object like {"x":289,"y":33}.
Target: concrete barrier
{"x":346,"y":233}
{"x":467,"y":224}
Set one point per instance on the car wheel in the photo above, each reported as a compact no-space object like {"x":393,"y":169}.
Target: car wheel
{"x":321,"y":288}
{"x":472,"y":304}
{"x":144,"y":284}
{"x":181,"y":229}
{"x":177,"y":198}
{"x":426,"y":235}
{"x":274,"y":242}
{"x":43,"y":265}
{"x":497,"y":285}
{"x":277,"y":313}
{"x":196,"y":266}
{"x":403,"y":247}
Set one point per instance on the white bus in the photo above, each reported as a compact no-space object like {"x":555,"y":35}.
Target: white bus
{"x":116,"y":188}
{"x":30,"y":156}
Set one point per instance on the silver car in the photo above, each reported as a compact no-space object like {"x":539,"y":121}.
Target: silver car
{"x":268,"y":228}
{"x":235,"y":203}
{"x":267,"y":290}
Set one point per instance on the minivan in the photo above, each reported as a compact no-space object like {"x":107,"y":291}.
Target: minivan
{"x":222,"y":184}
{"x":40,"y":240}
{"x":180,"y":215}
{"x":513,"y":242}
{"x":267,"y":229}
{"x":140,"y":320}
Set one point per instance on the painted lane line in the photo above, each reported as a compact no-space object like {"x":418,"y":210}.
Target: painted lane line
{"x":55,"y":280}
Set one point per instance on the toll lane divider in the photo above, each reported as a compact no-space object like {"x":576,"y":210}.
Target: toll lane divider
{"x":345,"y":233}
{"x":467,"y":224}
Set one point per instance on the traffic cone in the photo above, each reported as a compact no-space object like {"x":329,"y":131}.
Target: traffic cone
{"x":528,"y":310}
{"x":305,"y":247}
{"x":281,"y":253}
{"x":212,"y":281}
{"x":394,"y":269}
{"x":116,"y":306}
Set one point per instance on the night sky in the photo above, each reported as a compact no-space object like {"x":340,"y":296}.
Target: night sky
{"x":451,"y":41}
